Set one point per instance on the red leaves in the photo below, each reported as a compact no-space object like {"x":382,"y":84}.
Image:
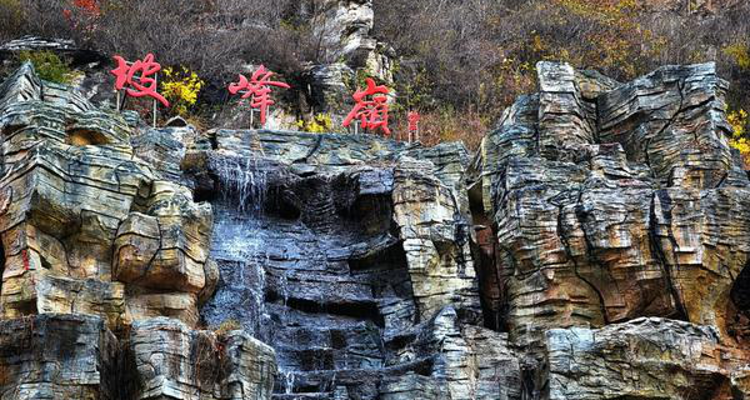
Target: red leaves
{"x":90,"y":7}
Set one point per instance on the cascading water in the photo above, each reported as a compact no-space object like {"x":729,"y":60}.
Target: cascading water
{"x":238,"y":237}
{"x":285,"y":250}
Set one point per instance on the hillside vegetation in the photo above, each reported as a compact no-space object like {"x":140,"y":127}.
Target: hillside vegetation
{"x":460,"y":62}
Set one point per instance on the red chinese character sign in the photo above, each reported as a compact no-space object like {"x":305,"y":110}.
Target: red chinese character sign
{"x":138,"y":78}
{"x":413,"y":117}
{"x":371,"y":109}
{"x":258,"y":90}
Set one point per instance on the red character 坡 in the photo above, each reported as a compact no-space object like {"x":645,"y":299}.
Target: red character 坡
{"x":372,"y":114}
{"x":258,"y":89}
{"x":138,"y":77}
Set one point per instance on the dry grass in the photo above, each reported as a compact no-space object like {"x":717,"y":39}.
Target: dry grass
{"x":462,"y":62}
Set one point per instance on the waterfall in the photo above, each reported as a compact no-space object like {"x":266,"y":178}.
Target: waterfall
{"x":289,"y":278}
{"x":288,"y":381}
{"x":242,"y":183}
{"x":239,"y":238}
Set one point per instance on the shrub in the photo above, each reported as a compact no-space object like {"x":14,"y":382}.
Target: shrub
{"x":227,"y":326}
{"x":211,"y":37}
{"x":738,"y":120}
{"x":320,"y":123}
{"x":738,"y":53}
{"x":11,"y":18}
{"x":450,"y":125}
{"x":181,"y":87}
{"x":468,"y":57}
{"x":48,"y":66}
{"x":480,"y":55}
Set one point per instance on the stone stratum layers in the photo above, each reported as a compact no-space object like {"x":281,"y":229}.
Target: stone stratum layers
{"x":609,"y":202}
{"x":97,"y":241}
{"x":593,"y":248}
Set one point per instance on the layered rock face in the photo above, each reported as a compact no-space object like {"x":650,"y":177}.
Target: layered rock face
{"x":610,"y":202}
{"x":593,"y":248}
{"x":88,"y":228}
{"x":341,"y":251}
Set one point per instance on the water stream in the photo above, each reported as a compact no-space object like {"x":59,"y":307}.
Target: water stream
{"x":287,"y":278}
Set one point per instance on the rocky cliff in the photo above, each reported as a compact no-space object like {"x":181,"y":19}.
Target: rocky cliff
{"x":594,"y":248}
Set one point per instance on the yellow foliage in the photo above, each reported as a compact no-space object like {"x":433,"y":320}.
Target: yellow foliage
{"x":181,"y":88}
{"x":12,"y":8}
{"x":739,"y":53}
{"x":319,"y":124}
{"x":738,"y":120}
{"x":611,"y":11}
{"x":618,"y":43}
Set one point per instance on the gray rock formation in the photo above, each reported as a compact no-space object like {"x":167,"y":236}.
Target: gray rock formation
{"x":90,"y":80}
{"x":643,"y":358}
{"x":331,"y":247}
{"x":169,"y":360}
{"x":345,"y":30}
{"x":611,"y":202}
{"x":90,"y":229}
{"x":57,"y":356}
{"x":594,"y":248}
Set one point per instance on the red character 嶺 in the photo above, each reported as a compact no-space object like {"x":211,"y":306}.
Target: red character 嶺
{"x":258,"y":87}
{"x":143,"y":85}
{"x":372,"y":114}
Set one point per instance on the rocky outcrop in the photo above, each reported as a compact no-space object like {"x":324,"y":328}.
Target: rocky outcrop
{"x":593,"y":248}
{"x":610,"y":202}
{"x":96,"y":240}
{"x":83,"y":216}
{"x":345,"y":31}
{"x":465,"y":362}
{"x":169,"y":360}
{"x":330,"y":90}
{"x":57,"y":356}
{"x":643,"y":358}
{"x":89,"y":76}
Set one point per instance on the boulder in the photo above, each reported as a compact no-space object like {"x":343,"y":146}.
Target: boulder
{"x":646,"y":358}
{"x":167,"y":359}
{"x":87,"y":225}
{"x":57,"y":357}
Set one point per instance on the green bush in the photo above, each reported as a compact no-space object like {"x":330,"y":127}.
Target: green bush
{"x":48,"y":66}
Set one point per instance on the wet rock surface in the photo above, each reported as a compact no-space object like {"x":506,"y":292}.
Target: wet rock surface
{"x":593,"y":248}
{"x":331,"y":247}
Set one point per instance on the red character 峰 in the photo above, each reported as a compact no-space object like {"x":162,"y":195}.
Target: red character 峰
{"x":143,"y":85}
{"x":258,"y":88}
{"x":372,"y":114}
